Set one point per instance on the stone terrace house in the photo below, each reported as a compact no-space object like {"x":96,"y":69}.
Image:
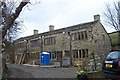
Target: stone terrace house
{"x":81,"y":42}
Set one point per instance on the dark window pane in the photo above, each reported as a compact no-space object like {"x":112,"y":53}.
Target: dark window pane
{"x":73,"y":53}
{"x":82,"y":35}
{"x":53,"y":56}
{"x":85,"y":32}
{"x":60,"y":54}
{"x":79,"y":36}
{"x":50,"y":55}
{"x":49,"y":41}
{"x":86,"y":52}
{"x":76,"y":53}
{"x":83,"y":52}
{"x":35,"y":43}
{"x":67,"y":53}
{"x":80,"y":54}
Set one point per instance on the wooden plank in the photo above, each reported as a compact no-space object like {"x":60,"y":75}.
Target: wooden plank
{"x":20,"y":59}
{"x":23,"y":58}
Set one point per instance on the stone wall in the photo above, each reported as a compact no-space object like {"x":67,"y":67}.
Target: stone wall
{"x":97,"y":43}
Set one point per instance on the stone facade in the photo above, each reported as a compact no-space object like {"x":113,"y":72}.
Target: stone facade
{"x":81,"y":42}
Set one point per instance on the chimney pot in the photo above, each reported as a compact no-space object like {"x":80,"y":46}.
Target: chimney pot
{"x":51,"y":27}
{"x":97,"y":17}
{"x":35,"y":32}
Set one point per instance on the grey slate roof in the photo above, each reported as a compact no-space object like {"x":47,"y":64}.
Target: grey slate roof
{"x":57,"y":31}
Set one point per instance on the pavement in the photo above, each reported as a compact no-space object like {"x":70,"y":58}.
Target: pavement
{"x":36,"y":71}
{"x":48,"y":71}
{"x":42,"y":66}
{"x":30,"y":65}
{"x":16,"y":71}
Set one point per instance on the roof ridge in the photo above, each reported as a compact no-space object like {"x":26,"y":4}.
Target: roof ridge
{"x":69,"y":27}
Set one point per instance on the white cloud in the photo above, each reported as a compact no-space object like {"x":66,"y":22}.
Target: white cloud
{"x":28,"y":29}
{"x":56,"y":21}
{"x":49,"y":1}
{"x":61,"y":13}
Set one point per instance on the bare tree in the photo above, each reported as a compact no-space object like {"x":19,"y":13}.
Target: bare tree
{"x":8,"y":23}
{"x":7,"y":10}
{"x":113,"y":17}
{"x":10,"y":19}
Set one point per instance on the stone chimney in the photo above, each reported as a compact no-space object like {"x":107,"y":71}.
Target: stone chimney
{"x":97,"y":17}
{"x":35,"y":32}
{"x":51,"y":27}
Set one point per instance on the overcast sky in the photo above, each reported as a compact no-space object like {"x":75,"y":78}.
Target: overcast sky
{"x":61,"y":13}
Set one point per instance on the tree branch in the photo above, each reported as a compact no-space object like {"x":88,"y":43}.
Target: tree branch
{"x":11,"y":18}
{"x":111,"y":17}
